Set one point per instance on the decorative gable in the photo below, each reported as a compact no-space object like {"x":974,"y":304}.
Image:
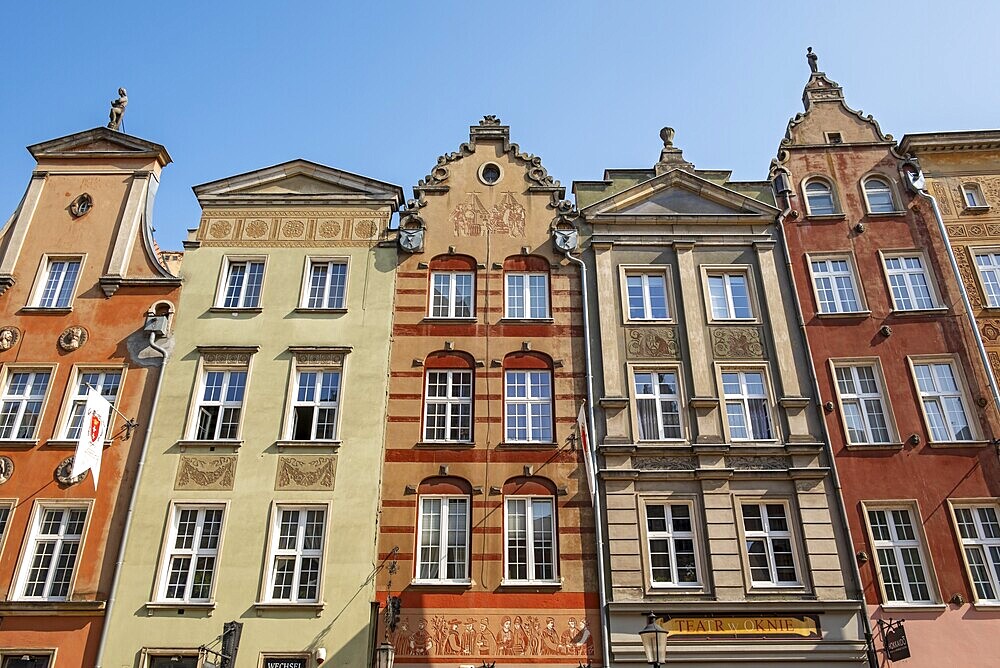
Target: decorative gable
{"x":99,"y":143}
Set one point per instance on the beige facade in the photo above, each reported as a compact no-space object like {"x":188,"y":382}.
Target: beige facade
{"x":721,"y":510}
{"x":259,"y":497}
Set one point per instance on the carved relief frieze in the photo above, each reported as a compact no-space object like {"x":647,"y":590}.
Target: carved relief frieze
{"x":300,"y":228}
{"x":206,"y":472}
{"x":651,"y":343}
{"x":968,"y":278}
{"x":994,"y":358}
{"x":666,"y":463}
{"x":764,"y":463}
{"x":941,"y":194}
{"x":306,"y":472}
{"x":736,"y":342}
{"x":226,"y":356}
{"x":471,"y":218}
{"x":257,"y":228}
{"x":319,"y":359}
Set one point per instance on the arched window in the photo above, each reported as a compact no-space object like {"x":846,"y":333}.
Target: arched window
{"x":448,"y":397}
{"x":528,"y":398}
{"x":453,"y":287}
{"x":443,"y":528}
{"x":526,"y":287}
{"x":878,"y":195}
{"x":530,"y":530}
{"x":819,"y":198}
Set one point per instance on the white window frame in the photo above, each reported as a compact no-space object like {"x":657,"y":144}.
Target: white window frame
{"x":7,"y":508}
{"x":29,"y":547}
{"x":42,"y":279}
{"x":299,"y":553}
{"x":727,"y":272}
{"x":442,"y":546}
{"x":184,"y":652}
{"x":860,"y":401}
{"x":906,"y":276}
{"x":984,"y":543}
{"x":938,"y":395}
{"x":529,"y":401}
{"x":306,"y":295}
{"x":768,"y":536}
{"x":75,"y":398}
{"x":832,"y":275}
{"x":450,"y":403}
{"x":451,"y":296}
{"x":317,"y":403}
{"x":228,"y":262}
{"x":978,"y":197}
{"x":170,"y":551}
{"x":530,"y":548}
{"x":644,"y":272}
{"x":17,"y":426}
{"x":671,"y":535}
{"x":989,"y":276}
{"x":834,"y":200}
{"x":887,"y":187}
{"x":222,"y":404}
{"x":656,"y":396}
{"x":896,"y":545}
{"x":510,"y":312}
{"x":32,"y":652}
{"x":744,"y":400}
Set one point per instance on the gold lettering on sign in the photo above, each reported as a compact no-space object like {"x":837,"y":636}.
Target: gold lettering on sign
{"x":804,"y":626}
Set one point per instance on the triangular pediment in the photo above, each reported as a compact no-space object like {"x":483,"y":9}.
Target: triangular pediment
{"x":99,"y":143}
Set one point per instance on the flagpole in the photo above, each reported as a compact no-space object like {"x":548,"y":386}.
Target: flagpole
{"x":130,"y":423}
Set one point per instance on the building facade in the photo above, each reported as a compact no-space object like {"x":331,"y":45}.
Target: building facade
{"x":485,"y":510}
{"x":260,"y":493}
{"x":721,"y":507}
{"x":908,"y":404}
{"x":79,"y":272}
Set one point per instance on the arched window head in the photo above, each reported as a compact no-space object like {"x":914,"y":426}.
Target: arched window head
{"x":443,"y":530}
{"x":878,"y":194}
{"x":819,"y":198}
{"x":526,"y":287}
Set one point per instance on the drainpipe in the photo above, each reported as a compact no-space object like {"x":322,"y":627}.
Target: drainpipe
{"x":598,"y":528}
{"x":827,"y":442}
{"x":915,"y":177}
{"x":131,"y":505}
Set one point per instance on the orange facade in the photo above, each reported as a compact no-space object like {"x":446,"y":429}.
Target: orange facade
{"x":79,"y":272}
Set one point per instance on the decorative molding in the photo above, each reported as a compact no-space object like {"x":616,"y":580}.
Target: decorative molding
{"x":471,"y":218}
{"x":201,"y":472}
{"x":295,"y":228}
{"x":227,"y":356}
{"x":941,"y":194}
{"x":764,"y":463}
{"x":308,"y":472}
{"x":64,"y":469}
{"x":9,"y":336}
{"x":968,"y":275}
{"x":651,"y":343}
{"x":6,"y":468}
{"x":73,"y":338}
{"x":317,"y":356}
{"x":666,"y":463}
{"x":736,"y":342}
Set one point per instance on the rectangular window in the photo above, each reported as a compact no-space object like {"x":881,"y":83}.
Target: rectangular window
{"x":443,"y":547}
{"x":25,"y":660}
{"x":528,"y":406}
{"x":59,"y":283}
{"x":836,"y":291}
{"x":943,"y":401}
{"x":531,"y":539}
{"x":671,"y":542}
{"x":106,"y":382}
{"x":192,"y":554}
{"x":769,"y":544}
{"x":448,"y":406}
{"x":988,"y":264}
{"x":747,"y":409}
{"x":863,"y":406}
{"x":979,"y":529}
{"x":730,"y":297}
{"x":899,"y":556}
{"x":327,"y":286}
{"x":973,"y":196}
{"x":51,"y":553}
{"x":657,"y":403}
{"x":244,"y":280}
{"x":220,"y":404}
{"x":911,"y":288}
{"x":175,"y":660}
{"x":23,"y":398}
{"x":647,"y":296}
{"x":315,"y":405}
{"x":527,"y":296}
{"x":453,"y":294}
{"x":296,"y":558}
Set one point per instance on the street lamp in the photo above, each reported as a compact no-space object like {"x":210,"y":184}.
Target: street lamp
{"x":654,"y":642}
{"x":385,"y":655}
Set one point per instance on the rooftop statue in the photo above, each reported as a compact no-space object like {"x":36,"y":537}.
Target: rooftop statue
{"x":118,"y":109}
{"x":813,"y":60}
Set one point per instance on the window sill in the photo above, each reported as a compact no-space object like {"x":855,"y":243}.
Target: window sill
{"x":441,"y":583}
{"x":546,"y":584}
{"x":264,"y":607}
{"x":902,"y":313}
{"x":305,"y":309}
{"x":437,"y":319}
{"x":526,"y":445}
{"x":68,"y":443}
{"x":526,"y":321}
{"x":680,"y":590}
{"x":445,"y":445}
{"x":308,"y":445}
{"x":651,"y":321}
{"x":819,"y":217}
{"x":50,"y":310}
{"x":915,"y":607}
{"x":979,"y":208}
{"x":764,"y":588}
{"x":208,"y":445}
{"x":887,"y":214}
{"x":663,"y":443}
{"x":754,"y":442}
{"x":990,"y":606}
{"x":734,"y":321}
{"x":844,"y":315}
{"x":32,"y":608}
{"x":19,"y":443}
{"x":205,"y":606}
{"x":957,"y":444}
{"x":874,"y":446}
{"x":223,"y":309}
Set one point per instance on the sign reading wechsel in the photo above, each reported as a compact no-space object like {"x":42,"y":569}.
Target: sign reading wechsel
{"x":760,"y":626}
{"x":283,"y":662}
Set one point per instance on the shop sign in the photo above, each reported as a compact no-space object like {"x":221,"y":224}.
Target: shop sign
{"x":896,"y":647}
{"x":756,"y":626}
{"x":276,"y":662}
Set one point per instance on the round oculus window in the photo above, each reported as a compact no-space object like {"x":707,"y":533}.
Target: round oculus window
{"x":490,"y":173}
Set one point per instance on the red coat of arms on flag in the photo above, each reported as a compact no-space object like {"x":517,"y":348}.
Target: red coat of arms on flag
{"x":95,"y":427}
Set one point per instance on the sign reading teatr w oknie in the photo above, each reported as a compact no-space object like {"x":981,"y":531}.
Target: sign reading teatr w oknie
{"x":805,"y":626}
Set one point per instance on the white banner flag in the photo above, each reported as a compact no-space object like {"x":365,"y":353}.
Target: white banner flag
{"x":90,"y":447}
{"x":585,"y":445}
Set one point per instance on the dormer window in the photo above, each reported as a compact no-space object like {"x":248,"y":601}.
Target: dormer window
{"x":819,"y":198}
{"x":878,"y":195}
{"x":973,"y":196}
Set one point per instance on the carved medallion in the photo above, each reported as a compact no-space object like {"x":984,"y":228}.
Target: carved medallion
{"x":307,"y":472}
{"x":9,"y":336}
{"x":257,"y":228}
{"x":6,"y":468}
{"x":65,"y":468}
{"x":206,"y":472}
{"x":294,"y":228}
{"x":220,"y":228}
{"x":736,"y":343}
{"x":651,"y":342}
{"x":329,"y":229}
{"x":81,"y":205}
{"x":73,"y":338}
{"x":366,"y":229}
{"x":989,"y":328}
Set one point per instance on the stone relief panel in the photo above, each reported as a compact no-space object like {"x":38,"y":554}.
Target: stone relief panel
{"x":766,"y":463}
{"x":471,"y":218}
{"x":201,"y":472}
{"x":665,"y":463}
{"x":976,"y":231}
{"x":9,"y":336}
{"x":941,"y":194}
{"x":651,"y":343}
{"x":968,"y":276}
{"x":994,"y":358}
{"x":736,"y":342}
{"x":227,"y":358}
{"x":299,"y":228}
{"x":306,"y":472}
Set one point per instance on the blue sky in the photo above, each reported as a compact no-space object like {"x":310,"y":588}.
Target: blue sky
{"x":382,"y":89}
